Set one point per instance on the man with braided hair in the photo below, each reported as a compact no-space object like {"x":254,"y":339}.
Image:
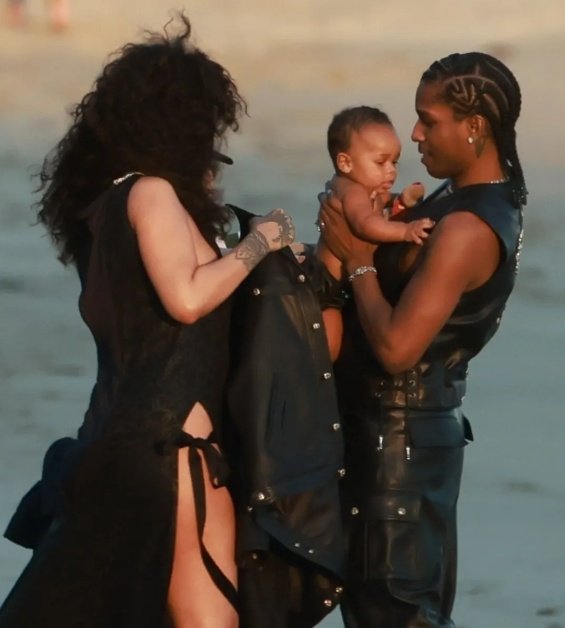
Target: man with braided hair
{"x":417,"y":316}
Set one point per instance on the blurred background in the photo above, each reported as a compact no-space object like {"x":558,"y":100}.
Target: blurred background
{"x":297,"y":66}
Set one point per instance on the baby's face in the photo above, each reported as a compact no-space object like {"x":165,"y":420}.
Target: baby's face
{"x":373,"y":153}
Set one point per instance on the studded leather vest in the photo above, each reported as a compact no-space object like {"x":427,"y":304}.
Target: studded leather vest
{"x":437,"y":382}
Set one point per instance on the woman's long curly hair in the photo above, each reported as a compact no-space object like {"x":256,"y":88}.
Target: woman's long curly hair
{"x":161,"y":107}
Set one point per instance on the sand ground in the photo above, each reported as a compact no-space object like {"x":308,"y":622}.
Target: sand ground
{"x":297,"y":65}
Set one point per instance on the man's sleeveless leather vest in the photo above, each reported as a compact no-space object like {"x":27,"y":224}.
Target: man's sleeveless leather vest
{"x":437,"y":382}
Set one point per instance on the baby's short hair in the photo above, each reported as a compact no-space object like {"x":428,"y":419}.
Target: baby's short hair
{"x":346,"y":122}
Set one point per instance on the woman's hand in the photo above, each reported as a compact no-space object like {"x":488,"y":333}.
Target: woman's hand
{"x":349,"y":249}
{"x":299,"y":250}
{"x":268,"y":233}
{"x":276,"y":229}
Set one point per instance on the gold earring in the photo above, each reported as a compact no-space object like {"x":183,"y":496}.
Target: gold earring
{"x":470,"y":140}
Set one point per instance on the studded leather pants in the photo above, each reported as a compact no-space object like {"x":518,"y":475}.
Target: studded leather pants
{"x":400,"y":496}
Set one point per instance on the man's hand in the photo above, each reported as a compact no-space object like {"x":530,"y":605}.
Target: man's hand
{"x":336,"y":233}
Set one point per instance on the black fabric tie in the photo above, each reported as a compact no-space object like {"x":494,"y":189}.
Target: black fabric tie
{"x":218,"y":471}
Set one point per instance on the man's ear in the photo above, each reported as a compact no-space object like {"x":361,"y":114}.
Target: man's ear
{"x":343,"y":163}
{"x":479,"y":132}
{"x":477,"y":126}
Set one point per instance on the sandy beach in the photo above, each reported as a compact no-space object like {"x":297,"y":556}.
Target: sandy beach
{"x":297,"y":66}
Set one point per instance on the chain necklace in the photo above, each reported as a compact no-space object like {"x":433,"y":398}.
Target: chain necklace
{"x":449,"y":187}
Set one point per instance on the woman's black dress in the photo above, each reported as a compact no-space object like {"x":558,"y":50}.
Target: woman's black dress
{"x":108,"y":498}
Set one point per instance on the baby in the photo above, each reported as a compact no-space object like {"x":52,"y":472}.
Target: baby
{"x":365,"y":149}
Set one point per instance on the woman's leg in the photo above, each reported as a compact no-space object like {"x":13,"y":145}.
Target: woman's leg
{"x":194,"y":599}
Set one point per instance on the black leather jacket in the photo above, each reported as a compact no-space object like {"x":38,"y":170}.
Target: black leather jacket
{"x":283,"y":428}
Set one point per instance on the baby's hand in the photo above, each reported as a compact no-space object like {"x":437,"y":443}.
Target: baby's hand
{"x":412,"y":194}
{"x":416,"y":230}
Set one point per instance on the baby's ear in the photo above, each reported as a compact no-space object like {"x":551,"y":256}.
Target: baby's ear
{"x":343,"y":163}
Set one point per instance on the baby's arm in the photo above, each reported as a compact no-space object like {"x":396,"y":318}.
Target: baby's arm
{"x":412,"y":194}
{"x":409,"y":196}
{"x":366,"y":220}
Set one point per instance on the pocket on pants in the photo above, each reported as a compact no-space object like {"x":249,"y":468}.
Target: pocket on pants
{"x":398,"y":542}
{"x":438,"y":431}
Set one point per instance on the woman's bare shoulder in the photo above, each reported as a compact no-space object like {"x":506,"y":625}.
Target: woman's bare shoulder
{"x":147,"y":187}
{"x":149,"y":193}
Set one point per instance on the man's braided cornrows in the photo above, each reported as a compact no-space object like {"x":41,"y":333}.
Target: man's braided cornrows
{"x":477,"y":83}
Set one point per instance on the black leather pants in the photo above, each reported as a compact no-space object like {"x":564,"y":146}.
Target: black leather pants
{"x":400,"y":495}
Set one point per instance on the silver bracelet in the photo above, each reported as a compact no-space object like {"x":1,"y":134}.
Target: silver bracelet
{"x":361,"y":270}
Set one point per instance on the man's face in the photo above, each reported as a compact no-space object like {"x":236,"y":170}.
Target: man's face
{"x":441,"y":138}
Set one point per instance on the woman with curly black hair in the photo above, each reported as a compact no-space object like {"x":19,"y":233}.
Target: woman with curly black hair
{"x":117,"y":520}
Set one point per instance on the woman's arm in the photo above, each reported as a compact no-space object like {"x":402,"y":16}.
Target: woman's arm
{"x":184,"y":270}
{"x":462,"y":253}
